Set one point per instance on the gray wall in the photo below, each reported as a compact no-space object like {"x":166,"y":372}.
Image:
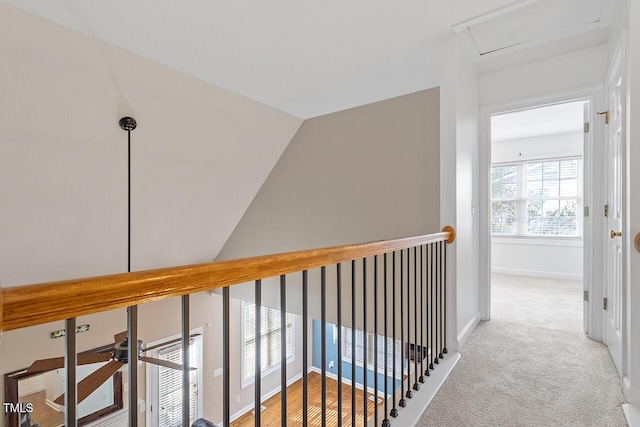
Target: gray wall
{"x":363,"y":174}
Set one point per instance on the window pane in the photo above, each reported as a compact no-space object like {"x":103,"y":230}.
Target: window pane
{"x":503,"y":217}
{"x":504,"y":182}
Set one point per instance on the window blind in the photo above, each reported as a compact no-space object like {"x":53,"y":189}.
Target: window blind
{"x":170,"y":386}
{"x":270,"y":338}
{"x":347,"y":349}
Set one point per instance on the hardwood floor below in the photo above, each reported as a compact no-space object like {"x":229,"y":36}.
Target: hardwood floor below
{"x":42,"y":413}
{"x":270,"y":416}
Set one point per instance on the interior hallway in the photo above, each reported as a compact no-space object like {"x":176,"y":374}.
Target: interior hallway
{"x":531,"y":365}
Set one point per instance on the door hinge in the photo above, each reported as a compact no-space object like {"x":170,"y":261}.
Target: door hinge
{"x":586,"y":295}
{"x":586,"y":127}
{"x":586,"y":211}
{"x":606,"y":210}
{"x":604,"y":305}
{"x":606,"y":116}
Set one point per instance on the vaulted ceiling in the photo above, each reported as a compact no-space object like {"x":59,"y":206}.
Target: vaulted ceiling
{"x":305,"y":58}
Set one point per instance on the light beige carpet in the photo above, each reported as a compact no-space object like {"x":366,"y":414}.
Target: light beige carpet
{"x":531,"y":365}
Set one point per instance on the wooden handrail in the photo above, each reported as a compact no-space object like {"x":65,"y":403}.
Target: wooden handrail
{"x":31,"y":305}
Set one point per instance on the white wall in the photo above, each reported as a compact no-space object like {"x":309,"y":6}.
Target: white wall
{"x":559,"y":258}
{"x":459,"y":109}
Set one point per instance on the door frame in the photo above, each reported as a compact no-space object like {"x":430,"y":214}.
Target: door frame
{"x":593,"y":197}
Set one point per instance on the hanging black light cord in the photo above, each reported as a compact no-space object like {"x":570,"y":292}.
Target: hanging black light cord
{"x":128,"y":124}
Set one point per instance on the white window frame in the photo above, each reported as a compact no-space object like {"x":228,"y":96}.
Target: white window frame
{"x":346,"y":355}
{"x":276,"y":366}
{"x":152,"y":370}
{"x":521,"y":200}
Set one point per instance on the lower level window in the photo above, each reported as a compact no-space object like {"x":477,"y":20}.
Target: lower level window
{"x":270,"y":340}
{"x":166,"y":385}
{"x":348,"y":347}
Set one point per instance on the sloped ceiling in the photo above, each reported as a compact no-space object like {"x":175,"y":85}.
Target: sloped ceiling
{"x":305,"y":58}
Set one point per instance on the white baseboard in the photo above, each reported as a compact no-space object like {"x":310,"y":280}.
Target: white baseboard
{"x":265,"y":396}
{"x":537,"y":273}
{"x":54,"y":406}
{"x":349,"y":382}
{"x":631,"y":393}
{"x":410,"y":415}
{"x":468,"y":330}
{"x":632,"y":413}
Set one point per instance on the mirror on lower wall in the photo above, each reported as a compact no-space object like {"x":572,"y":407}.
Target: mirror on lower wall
{"x":29,"y":398}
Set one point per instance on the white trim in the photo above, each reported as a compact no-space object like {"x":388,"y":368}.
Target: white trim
{"x":537,"y":273}
{"x":462,"y":26}
{"x":568,"y":242}
{"x":348,"y":381}
{"x":411,"y":414}
{"x":632,"y":413}
{"x":264,"y":397}
{"x":152,"y":376}
{"x":591,"y":191}
{"x":53,"y":405}
{"x":468,"y":330}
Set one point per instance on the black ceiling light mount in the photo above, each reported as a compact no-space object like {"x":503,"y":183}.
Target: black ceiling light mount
{"x":128,"y":123}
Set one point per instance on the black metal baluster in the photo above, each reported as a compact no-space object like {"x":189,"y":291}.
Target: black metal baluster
{"x":353,"y":343}
{"x":394,"y":410}
{"x":225,"y":356}
{"x":431,"y":302}
{"x":186,"y":419}
{"x":422,"y":355}
{"x":444,"y":292}
{"x":283,"y":350}
{"x":427,"y":335}
{"x":132,"y":338}
{"x":323,"y":345}
{"x":441,"y":245}
{"x":402,"y":403}
{"x":386,"y":422}
{"x":305,"y":347}
{"x":70,"y":363}
{"x":364,"y":340}
{"x":409,"y":392}
{"x":258,"y":343}
{"x":436,"y":359}
{"x":339,"y":330}
{"x":416,"y":384}
{"x":375,"y":340}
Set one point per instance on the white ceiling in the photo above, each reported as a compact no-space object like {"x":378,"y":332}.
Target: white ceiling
{"x":306,"y":58}
{"x":551,"y":120}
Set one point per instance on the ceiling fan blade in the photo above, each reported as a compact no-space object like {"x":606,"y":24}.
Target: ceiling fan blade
{"x":164,"y":363}
{"x":90,"y":383}
{"x":168,"y":342}
{"x":89,"y":358}
{"x":120,"y":337}
{"x":44,"y":365}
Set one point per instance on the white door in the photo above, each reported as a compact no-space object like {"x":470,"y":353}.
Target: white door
{"x":614,"y":292}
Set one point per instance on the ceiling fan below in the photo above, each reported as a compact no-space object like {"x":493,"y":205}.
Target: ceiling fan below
{"x":117,"y":358}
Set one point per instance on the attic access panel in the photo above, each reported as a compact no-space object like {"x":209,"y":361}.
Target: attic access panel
{"x":540,"y":20}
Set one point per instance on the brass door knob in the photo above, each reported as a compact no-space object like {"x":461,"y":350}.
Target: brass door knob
{"x":615,"y":233}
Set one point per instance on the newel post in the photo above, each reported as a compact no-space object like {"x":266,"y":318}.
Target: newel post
{"x":452,"y":233}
